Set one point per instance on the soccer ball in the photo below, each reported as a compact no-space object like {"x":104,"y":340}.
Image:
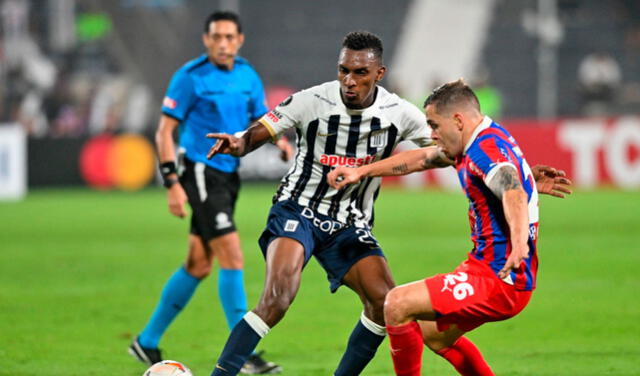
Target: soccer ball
{"x":168,"y":368}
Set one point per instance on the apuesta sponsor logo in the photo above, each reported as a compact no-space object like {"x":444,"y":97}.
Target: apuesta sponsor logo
{"x":339,"y":160}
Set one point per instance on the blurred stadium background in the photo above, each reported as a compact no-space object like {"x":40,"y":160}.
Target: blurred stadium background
{"x":566,"y":71}
{"x":86,"y":241}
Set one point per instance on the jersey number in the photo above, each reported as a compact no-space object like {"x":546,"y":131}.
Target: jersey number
{"x":461,"y":289}
{"x":366,"y":237}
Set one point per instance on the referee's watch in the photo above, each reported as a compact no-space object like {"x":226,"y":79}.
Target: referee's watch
{"x":169,"y":182}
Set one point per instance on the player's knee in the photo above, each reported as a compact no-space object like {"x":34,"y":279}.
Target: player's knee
{"x":374,"y":308}
{"x":272,"y":308}
{"x":394,"y":309}
{"x":231,"y":259}
{"x":276,"y":299}
{"x":199,"y":268}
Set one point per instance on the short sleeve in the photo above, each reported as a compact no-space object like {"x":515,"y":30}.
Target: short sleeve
{"x":258,"y":105}
{"x":416,"y":128}
{"x":489,"y":155}
{"x":180,"y":96}
{"x":287,"y":114}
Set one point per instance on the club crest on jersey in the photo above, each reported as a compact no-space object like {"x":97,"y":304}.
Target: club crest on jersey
{"x":339,"y":160}
{"x":286,"y":101}
{"x":378,"y":139}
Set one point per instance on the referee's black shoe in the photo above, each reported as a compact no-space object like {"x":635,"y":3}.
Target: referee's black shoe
{"x":147,"y":356}
{"x":256,"y":365}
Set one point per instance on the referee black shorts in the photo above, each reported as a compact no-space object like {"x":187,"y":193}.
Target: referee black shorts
{"x":212,"y":196}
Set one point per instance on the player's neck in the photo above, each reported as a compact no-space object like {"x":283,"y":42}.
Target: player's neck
{"x":469,"y":130}
{"x":222,"y":66}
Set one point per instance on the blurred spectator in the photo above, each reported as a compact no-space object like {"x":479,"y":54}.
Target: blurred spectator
{"x":599,"y":78}
{"x":32,"y":73}
{"x":488,"y":95}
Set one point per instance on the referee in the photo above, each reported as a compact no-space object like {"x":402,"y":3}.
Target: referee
{"x":216,"y":92}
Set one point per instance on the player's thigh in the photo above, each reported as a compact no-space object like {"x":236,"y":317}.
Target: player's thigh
{"x":353,"y":257}
{"x":227,"y":249}
{"x":370,"y":277}
{"x":407,"y":303}
{"x":285,"y":259}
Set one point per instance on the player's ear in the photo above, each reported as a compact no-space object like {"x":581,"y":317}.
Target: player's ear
{"x":458,"y":118}
{"x":380,"y":74}
{"x":240,"y":40}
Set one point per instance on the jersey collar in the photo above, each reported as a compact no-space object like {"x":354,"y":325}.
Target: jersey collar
{"x":486,"y":123}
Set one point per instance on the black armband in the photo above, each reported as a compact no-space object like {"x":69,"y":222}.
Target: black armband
{"x":167,"y":168}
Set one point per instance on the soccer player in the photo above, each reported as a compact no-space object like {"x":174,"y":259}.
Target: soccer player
{"x":216,"y":92}
{"x":496,"y":281}
{"x":350,"y":122}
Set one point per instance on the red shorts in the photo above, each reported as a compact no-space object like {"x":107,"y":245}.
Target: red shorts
{"x":472,"y":295}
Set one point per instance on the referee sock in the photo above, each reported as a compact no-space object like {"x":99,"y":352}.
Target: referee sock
{"x":175,"y":295}
{"x":241,"y":342}
{"x":232,"y":295}
{"x":406,"y":348}
{"x":466,"y":358}
{"x":365,"y":339}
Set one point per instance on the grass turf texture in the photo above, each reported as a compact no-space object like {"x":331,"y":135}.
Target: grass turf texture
{"x":81,"y":272}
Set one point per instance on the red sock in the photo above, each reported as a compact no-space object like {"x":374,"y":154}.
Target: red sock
{"x":466,"y":358}
{"x":406,"y":348}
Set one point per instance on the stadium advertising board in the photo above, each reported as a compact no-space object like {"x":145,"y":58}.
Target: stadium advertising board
{"x":13,"y":175}
{"x":593,"y":151}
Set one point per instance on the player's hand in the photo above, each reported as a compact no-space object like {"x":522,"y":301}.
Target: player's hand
{"x":551,"y":181}
{"x":342,"y":176}
{"x":176,"y":197}
{"x":517,"y":255}
{"x":286,"y":150}
{"x":226,"y":144}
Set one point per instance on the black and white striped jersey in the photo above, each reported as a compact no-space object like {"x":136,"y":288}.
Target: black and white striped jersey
{"x":329,"y":134}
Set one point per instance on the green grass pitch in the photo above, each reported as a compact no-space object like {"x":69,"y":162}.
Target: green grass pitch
{"x":80,"y":272}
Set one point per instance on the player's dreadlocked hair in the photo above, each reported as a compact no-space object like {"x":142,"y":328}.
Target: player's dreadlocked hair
{"x":223,"y":15}
{"x":362,"y":40}
{"x":454,"y":92}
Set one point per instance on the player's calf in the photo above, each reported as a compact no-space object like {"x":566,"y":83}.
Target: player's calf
{"x":465,"y":357}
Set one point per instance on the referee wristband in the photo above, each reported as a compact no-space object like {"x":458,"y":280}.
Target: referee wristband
{"x":167,"y":168}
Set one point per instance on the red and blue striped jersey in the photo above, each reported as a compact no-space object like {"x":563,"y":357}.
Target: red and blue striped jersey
{"x":489,"y":148}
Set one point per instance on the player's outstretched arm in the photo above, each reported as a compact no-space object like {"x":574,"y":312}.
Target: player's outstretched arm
{"x":506,"y":185}
{"x":402,"y":163}
{"x":254,"y":137}
{"x":551,"y":181}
